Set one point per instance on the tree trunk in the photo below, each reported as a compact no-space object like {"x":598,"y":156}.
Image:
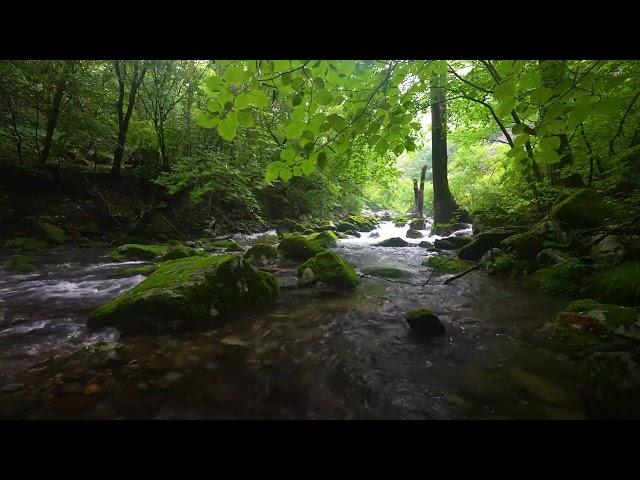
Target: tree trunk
{"x":52,"y":120}
{"x":124,"y":117}
{"x":419,"y":193}
{"x":444,"y":205}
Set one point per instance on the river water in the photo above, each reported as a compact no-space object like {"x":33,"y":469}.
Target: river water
{"x":317,"y":353}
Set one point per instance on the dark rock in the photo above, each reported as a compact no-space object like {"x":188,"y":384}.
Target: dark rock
{"x":451,"y":243}
{"x":482,"y":243}
{"x":583,"y":209}
{"x":411,"y":233}
{"x":393,"y":242}
{"x":425,"y":323}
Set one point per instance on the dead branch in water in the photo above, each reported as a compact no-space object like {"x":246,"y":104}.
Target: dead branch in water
{"x":455,"y":277}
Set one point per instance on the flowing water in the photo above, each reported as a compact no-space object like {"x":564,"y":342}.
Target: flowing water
{"x":316,"y":353}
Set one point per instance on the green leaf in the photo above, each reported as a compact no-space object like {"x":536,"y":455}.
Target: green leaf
{"x":258,"y":98}
{"x":287,"y":154}
{"x":547,"y":157}
{"x":216,"y":84}
{"x":228,"y":127}
{"x":324,"y":98}
{"x":549,"y":143}
{"x":273,"y":170}
{"x":233,"y":74}
{"x":294,"y":130}
{"x":505,"y":91}
{"x":286,"y":174}
{"x":206,"y":121}
{"x":322,"y":160}
{"x":296,"y":100}
{"x":337,"y":122}
{"x":308,"y":166}
{"x":245,"y":118}
{"x":318,"y":83}
{"x":540,"y":95}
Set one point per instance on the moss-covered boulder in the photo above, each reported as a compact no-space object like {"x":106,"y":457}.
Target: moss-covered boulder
{"x":181,"y":251}
{"x":298,"y":247}
{"x":261,"y":254}
{"x":583,"y":209}
{"x":619,"y":284}
{"x":134,"y":251}
{"x":612,"y":385}
{"x":185,"y":292}
{"x":418,"y":224}
{"x":425,"y":323}
{"x":546,"y":233}
{"x":142,"y":270}
{"x":226,"y":245}
{"x":451,"y":243}
{"x":325,"y":226}
{"x":331,"y":269}
{"x":565,"y":277}
{"x":446,"y":228}
{"x":346,"y":227}
{"x":387,"y":272}
{"x":325,"y":239}
{"x":401,"y":223}
{"x":447,"y":264}
{"x":288,"y":225}
{"x":362,"y":223}
{"x":21,"y":264}
{"x":53,"y":233}
{"x":552,"y":256}
{"x":584,"y":324}
{"x":268,"y":238}
{"x":482,"y":243}
{"x":411,"y":233}
{"x":25,"y":244}
{"x":393,"y":242}
{"x":498,"y":262}
{"x":353,"y":233}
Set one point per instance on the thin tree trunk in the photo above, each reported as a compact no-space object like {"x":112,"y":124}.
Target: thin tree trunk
{"x":444,"y":205}
{"x":52,"y":120}
{"x":16,"y":132}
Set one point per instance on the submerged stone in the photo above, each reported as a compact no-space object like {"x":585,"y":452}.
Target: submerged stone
{"x":184,"y":292}
{"x":331,"y":269}
{"x":425,"y":323}
{"x":388,"y":272}
{"x":21,"y":264}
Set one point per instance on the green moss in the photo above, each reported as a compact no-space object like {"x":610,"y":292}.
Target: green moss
{"x":393,"y":242}
{"x":446,"y":228}
{"x":133,"y":251}
{"x":346,"y":226}
{"x":564,"y":277}
{"x":297,"y":247}
{"x":614,"y":315}
{"x":447,"y":264}
{"x":273,"y":239}
{"x":21,"y":264}
{"x":325,"y":239}
{"x":184,"y":292}
{"x":25,"y":244}
{"x":181,"y":251}
{"x":582,"y":209}
{"x":53,"y":233}
{"x":620,"y":284}
{"x":143,"y":270}
{"x":388,"y":272}
{"x":331,"y":269}
{"x":425,"y":322}
{"x":362,"y":224}
{"x":227,"y":245}
{"x":542,"y":235}
{"x":567,"y":338}
{"x":261,"y":253}
{"x":411,"y":233}
{"x":505,"y":264}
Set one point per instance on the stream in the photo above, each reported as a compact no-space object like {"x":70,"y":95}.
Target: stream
{"x":317,"y":353}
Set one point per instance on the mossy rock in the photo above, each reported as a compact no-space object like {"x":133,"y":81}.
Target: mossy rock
{"x":401,"y":224}
{"x":353,"y":233}
{"x":288,"y":226}
{"x":330,"y":268}
{"x":21,"y":264}
{"x":583,"y":209}
{"x":298,"y":247}
{"x":325,"y":239}
{"x":614,"y":316}
{"x":393,"y":242}
{"x":565,"y":277}
{"x":481,"y":244}
{"x":612,"y":385}
{"x":134,"y":251}
{"x":346,"y":227}
{"x":546,"y":233}
{"x":418,"y":224}
{"x":411,"y":233}
{"x":271,"y":239}
{"x":497,"y":262}
{"x":185,"y":292}
{"x":325,"y":226}
{"x":444,"y":229}
{"x":261,"y":253}
{"x":54,"y":233}
{"x":387,"y":272}
{"x":25,"y":244}
{"x":451,"y":243}
{"x":425,"y":323}
{"x":568,"y":338}
{"x":181,"y":251}
{"x":363,"y":224}
{"x":142,"y":270}
{"x":342,"y":235}
{"x":447,"y":264}
{"x":225,"y":244}
{"x":620,"y":284}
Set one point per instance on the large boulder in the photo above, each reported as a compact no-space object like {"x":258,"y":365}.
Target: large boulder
{"x":185,"y":292}
{"x":425,"y":323}
{"x":527,"y":245}
{"x":346,"y":227}
{"x":482,"y":243}
{"x":411,"y":233}
{"x":387,"y":272}
{"x":135,"y":251}
{"x":564,"y":277}
{"x":331,"y":269}
{"x":181,"y":251}
{"x":418,"y":224}
{"x":444,"y":229}
{"x":609,"y":247}
{"x":325,"y":239}
{"x":451,"y":243}
{"x":362,"y":224}
{"x":261,"y":254}
{"x":53,"y":233}
{"x":583,"y":209}
{"x":298,"y":247}
{"x":446,"y":264}
{"x":393,"y":242}
{"x":620,"y":284}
